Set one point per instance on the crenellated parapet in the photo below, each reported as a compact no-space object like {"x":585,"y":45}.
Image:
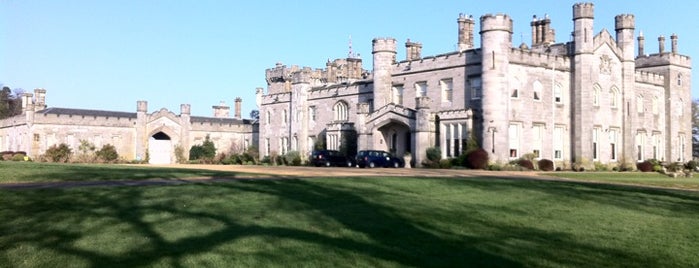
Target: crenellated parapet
{"x":583,"y":11}
{"x":496,"y":22}
{"x":532,"y":58}
{"x":650,"y":78}
{"x":663,"y":59}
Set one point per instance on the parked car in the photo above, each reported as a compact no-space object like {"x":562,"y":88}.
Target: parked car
{"x":329,"y":158}
{"x":374,"y":158}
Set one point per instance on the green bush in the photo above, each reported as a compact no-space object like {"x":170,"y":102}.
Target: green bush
{"x":691,"y":165}
{"x":58,"y":153}
{"x":18,"y":157}
{"x":434,"y":154}
{"x":445,"y":163}
{"x":545,"y":165}
{"x":205,"y":151}
{"x":292,"y":158}
{"x":107,"y":153}
{"x":525,"y":163}
{"x":477,"y":159}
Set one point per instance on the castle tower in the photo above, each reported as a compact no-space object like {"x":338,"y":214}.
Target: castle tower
{"x":384,"y":52}
{"x":496,"y":42}
{"x":624,"y":25}
{"x":641,"y":45}
{"x":583,"y":61}
{"x":141,"y":135}
{"x":412,"y":50}
{"x":40,"y":95}
{"x":465,"y":32}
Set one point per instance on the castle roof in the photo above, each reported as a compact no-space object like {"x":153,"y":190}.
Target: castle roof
{"x":84,"y":112}
{"x":219,"y":120}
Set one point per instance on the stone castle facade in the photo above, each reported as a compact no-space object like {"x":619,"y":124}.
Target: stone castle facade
{"x":598,"y":98}
{"x":134,"y":135}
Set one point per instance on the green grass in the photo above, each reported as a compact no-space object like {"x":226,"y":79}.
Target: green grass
{"x":13,"y":172}
{"x":633,"y":178}
{"x":351,"y":222}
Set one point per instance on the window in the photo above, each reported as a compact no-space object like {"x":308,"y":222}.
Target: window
{"x":679,"y":79}
{"x":655,"y":105}
{"x":475,"y":86}
{"x":295,"y":143}
{"x":268,"y":117}
{"x":682,"y":148}
{"x":614,"y":100}
{"x":447,"y":88}
{"x":538,"y":135}
{"x":284,"y":145}
{"x":639,"y":104}
{"x":36,"y":137}
{"x":595,"y":95}
{"x":613,"y":138}
{"x":397,"y":95}
{"x":558,"y":143}
{"x":340,"y":110}
{"x":515,"y":94}
{"x":595,"y":143}
{"x":420,"y":89}
{"x":312,"y":113}
{"x":537,"y":90}
{"x":640,"y":140}
{"x":285,"y":117}
{"x":680,"y":108}
{"x":267,"y":146}
{"x":514,"y":140}
{"x":657,"y":143}
{"x":557,"y":93}
{"x":332,"y":142}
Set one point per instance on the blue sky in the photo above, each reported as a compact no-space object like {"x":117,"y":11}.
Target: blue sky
{"x":109,"y":54}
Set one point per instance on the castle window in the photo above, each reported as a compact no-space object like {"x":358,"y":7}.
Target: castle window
{"x":640,"y":140}
{"x":515,"y":94}
{"x":447,"y":89}
{"x":475,"y":86}
{"x":595,"y":143}
{"x":341,"y":111}
{"x":312,"y":113}
{"x":284,"y":145}
{"x":397,"y":95}
{"x":268,"y":117}
{"x":682,"y":148}
{"x":639,"y":104}
{"x":613,"y":139}
{"x":420,"y":89}
{"x":679,"y":79}
{"x":538,"y":133}
{"x":557,"y":94}
{"x":514,"y":130}
{"x":558,"y":143}
{"x":655,"y":105}
{"x":537,"y":90}
{"x":36,"y":137}
{"x":295,"y":143}
{"x":657,"y":142}
{"x":285,"y":117}
{"x":595,"y":95}
{"x":267,"y":146}
{"x":614,"y":98}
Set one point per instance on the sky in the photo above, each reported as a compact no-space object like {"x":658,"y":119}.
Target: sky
{"x":109,"y":54}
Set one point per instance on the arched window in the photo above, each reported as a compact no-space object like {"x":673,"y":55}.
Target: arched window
{"x":614,"y":92}
{"x":537,"y":90}
{"x":341,"y":111}
{"x":595,"y":95}
{"x":558,"y":93}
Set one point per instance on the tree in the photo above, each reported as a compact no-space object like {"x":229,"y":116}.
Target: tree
{"x":10,"y":102}
{"x":348,"y":146}
{"x":255,"y":114}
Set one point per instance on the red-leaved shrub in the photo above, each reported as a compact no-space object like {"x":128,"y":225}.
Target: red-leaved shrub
{"x":477,"y":159}
{"x":545,"y":165}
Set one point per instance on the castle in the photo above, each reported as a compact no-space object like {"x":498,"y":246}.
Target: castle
{"x":136,"y":136}
{"x":598,"y":98}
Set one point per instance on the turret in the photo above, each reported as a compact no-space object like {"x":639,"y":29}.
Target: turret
{"x":384,"y":52}
{"x":673,"y":39}
{"x":185,"y":109}
{"x":641,"y":45}
{"x":258,"y":96}
{"x":624,"y":25}
{"x":465,"y":32}
{"x":496,"y":36}
{"x":40,"y":95}
{"x":583,"y":19}
{"x":238,"y":103}
{"x":412,"y":50}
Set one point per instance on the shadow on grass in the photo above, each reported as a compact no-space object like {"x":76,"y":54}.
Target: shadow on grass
{"x":391,"y":237}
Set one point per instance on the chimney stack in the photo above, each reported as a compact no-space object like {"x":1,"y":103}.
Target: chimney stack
{"x":673,"y":39}
{"x":641,"y":45}
{"x":238,"y":104}
{"x":221,"y":110}
{"x":661,"y":44}
{"x":412,"y":50}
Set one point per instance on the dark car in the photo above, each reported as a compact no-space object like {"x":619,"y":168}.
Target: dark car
{"x":329,"y":158}
{"x":374,"y":158}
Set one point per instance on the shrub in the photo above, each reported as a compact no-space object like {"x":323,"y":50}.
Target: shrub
{"x":477,"y":159}
{"x":445,"y":163}
{"x":645,"y":166}
{"x":434,"y":154}
{"x":107,"y":153}
{"x":206,"y":150}
{"x":526,"y":163}
{"x":58,"y":153}
{"x":545,"y":165}
{"x":18,"y":157}
{"x":691,"y":165}
{"x":179,"y":154}
{"x":292,"y":158}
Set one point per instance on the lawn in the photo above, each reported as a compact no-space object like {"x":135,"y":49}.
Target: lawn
{"x":12,"y":172}
{"x":351,"y":222}
{"x":633,"y":178}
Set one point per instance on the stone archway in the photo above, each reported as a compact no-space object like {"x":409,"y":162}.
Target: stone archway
{"x":396,"y":138}
{"x":160,"y":149}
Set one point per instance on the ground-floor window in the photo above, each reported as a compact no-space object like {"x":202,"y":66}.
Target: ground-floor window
{"x":595,"y":143}
{"x":558,"y":143}
{"x":513,"y":132}
{"x":613,"y":139}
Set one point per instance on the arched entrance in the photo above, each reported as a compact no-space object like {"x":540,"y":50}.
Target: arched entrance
{"x":159,"y":149}
{"x":396,"y":137}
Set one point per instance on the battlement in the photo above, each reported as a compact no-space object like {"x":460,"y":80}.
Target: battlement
{"x":583,"y":11}
{"x":441,"y":61}
{"x":661,"y":59}
{"x":383,"y":44}
{"x":533,"y":58}
{"x":280,"y":73}
{"x":624,"y":21}
{"x":497,"y":22}
{"x":650,"y":78}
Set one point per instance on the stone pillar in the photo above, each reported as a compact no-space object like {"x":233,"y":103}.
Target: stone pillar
{"x":141,"y":136}
{"x":237,"y":113}
{"x":186,"y":126}
{"x":443,"y":139}
{"x":461,"y":138}
{"x":364,"y":132}
{"x":452,"y":146}
{"x":423,"y":129}
{"x":40,"y":95}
